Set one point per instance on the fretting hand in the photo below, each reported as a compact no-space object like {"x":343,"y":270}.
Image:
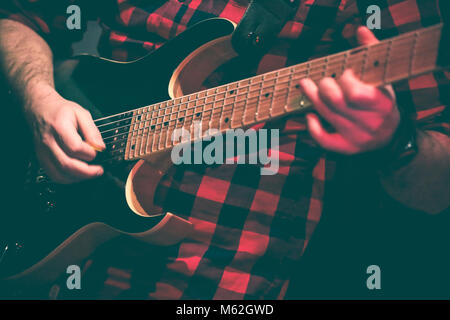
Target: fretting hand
{"x":364,"y":116}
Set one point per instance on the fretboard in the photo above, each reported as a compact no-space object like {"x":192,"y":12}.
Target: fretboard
{"x":241,"y":104}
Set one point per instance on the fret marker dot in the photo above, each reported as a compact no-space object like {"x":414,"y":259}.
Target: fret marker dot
{"x":297,"y":86}
{"x":376,"y":63}
{"x":226,"y":120}
{"x":333,"y":75}
{"x":267,"y":95}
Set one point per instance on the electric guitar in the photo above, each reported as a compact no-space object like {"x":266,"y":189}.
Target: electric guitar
{"x":39,"y":252}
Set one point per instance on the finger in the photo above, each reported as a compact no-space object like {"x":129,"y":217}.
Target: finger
{"x":49,"y":162}
{"x":77,"y":169}
{"x":331,"y":94}
{"x":342,"y":125}
{"x":45,"y":160}
{"x":360,"y":95}
{"x":70,"y":141}
{"x":330,"y":141}
{"x":365,"y":36}
{"x":89,"y":130}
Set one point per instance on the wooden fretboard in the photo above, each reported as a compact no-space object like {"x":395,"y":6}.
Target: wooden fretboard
{"x":137,"y":133}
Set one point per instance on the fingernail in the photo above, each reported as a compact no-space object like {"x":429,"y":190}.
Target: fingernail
{"x":97,"y":147}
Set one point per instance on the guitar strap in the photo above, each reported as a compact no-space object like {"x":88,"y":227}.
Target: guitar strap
{"x":264,"y":20}
{"x":260,"y":26}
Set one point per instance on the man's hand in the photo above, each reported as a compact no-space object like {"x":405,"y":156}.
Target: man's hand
{"x":65,"y":136}
{"x":365,"y":117}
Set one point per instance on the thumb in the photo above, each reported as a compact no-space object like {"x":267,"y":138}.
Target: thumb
{"x":89,"y":130}
{"x":365,"y":36}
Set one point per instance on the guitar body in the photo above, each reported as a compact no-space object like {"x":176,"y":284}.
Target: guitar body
{"x":38,"y":243}
{"x":41,"y":242}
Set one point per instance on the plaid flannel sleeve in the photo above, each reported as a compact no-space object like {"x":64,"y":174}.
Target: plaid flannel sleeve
{"x":47,"y":18}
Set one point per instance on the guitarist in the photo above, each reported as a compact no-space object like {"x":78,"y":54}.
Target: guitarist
{"x":250,"y":230}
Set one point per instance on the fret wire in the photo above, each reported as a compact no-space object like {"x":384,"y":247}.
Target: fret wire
{"x":148,"y":133}
{"x":162,"y":138}
{"x":139,"y":137}
{"x":386,"y":66}
{"x":260,"y":81}
{"x":252,"y":91}
{"x":178,"y":100}
{"x":244,"y":114}
{"x":364,"y":61}
{"x":132,"y":128}
{"x":425,"y":49}
{"x":235,"y":110}
{"x":143,"y":135}
{"x":161,"y":130}
{"x":215,"y":95}
{"x":148,"y":138}
{"x":155,"y":139}
{"x":413,"y":53}
{"x":273,"y":95}
{"x":134,"y":137}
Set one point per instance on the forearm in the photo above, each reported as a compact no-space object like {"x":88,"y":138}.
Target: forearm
{"x":64,"y":133}
{"x":425,"y":183}
{"x":26,"y":60}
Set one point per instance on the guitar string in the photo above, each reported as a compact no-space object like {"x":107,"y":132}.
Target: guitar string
{"x":358,"y":50}
{"x":305,"y":67}
{"x":145,"y":136}
{"x":234,"y":97}
{"x":143,"y":116}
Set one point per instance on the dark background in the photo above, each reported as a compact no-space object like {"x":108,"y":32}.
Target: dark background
{"x":411,"y":248}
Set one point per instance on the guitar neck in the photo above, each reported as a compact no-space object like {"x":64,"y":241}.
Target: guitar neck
{"x":135,"y":134}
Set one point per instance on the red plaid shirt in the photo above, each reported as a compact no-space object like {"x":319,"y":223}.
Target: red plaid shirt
{"x":249,"y":229}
